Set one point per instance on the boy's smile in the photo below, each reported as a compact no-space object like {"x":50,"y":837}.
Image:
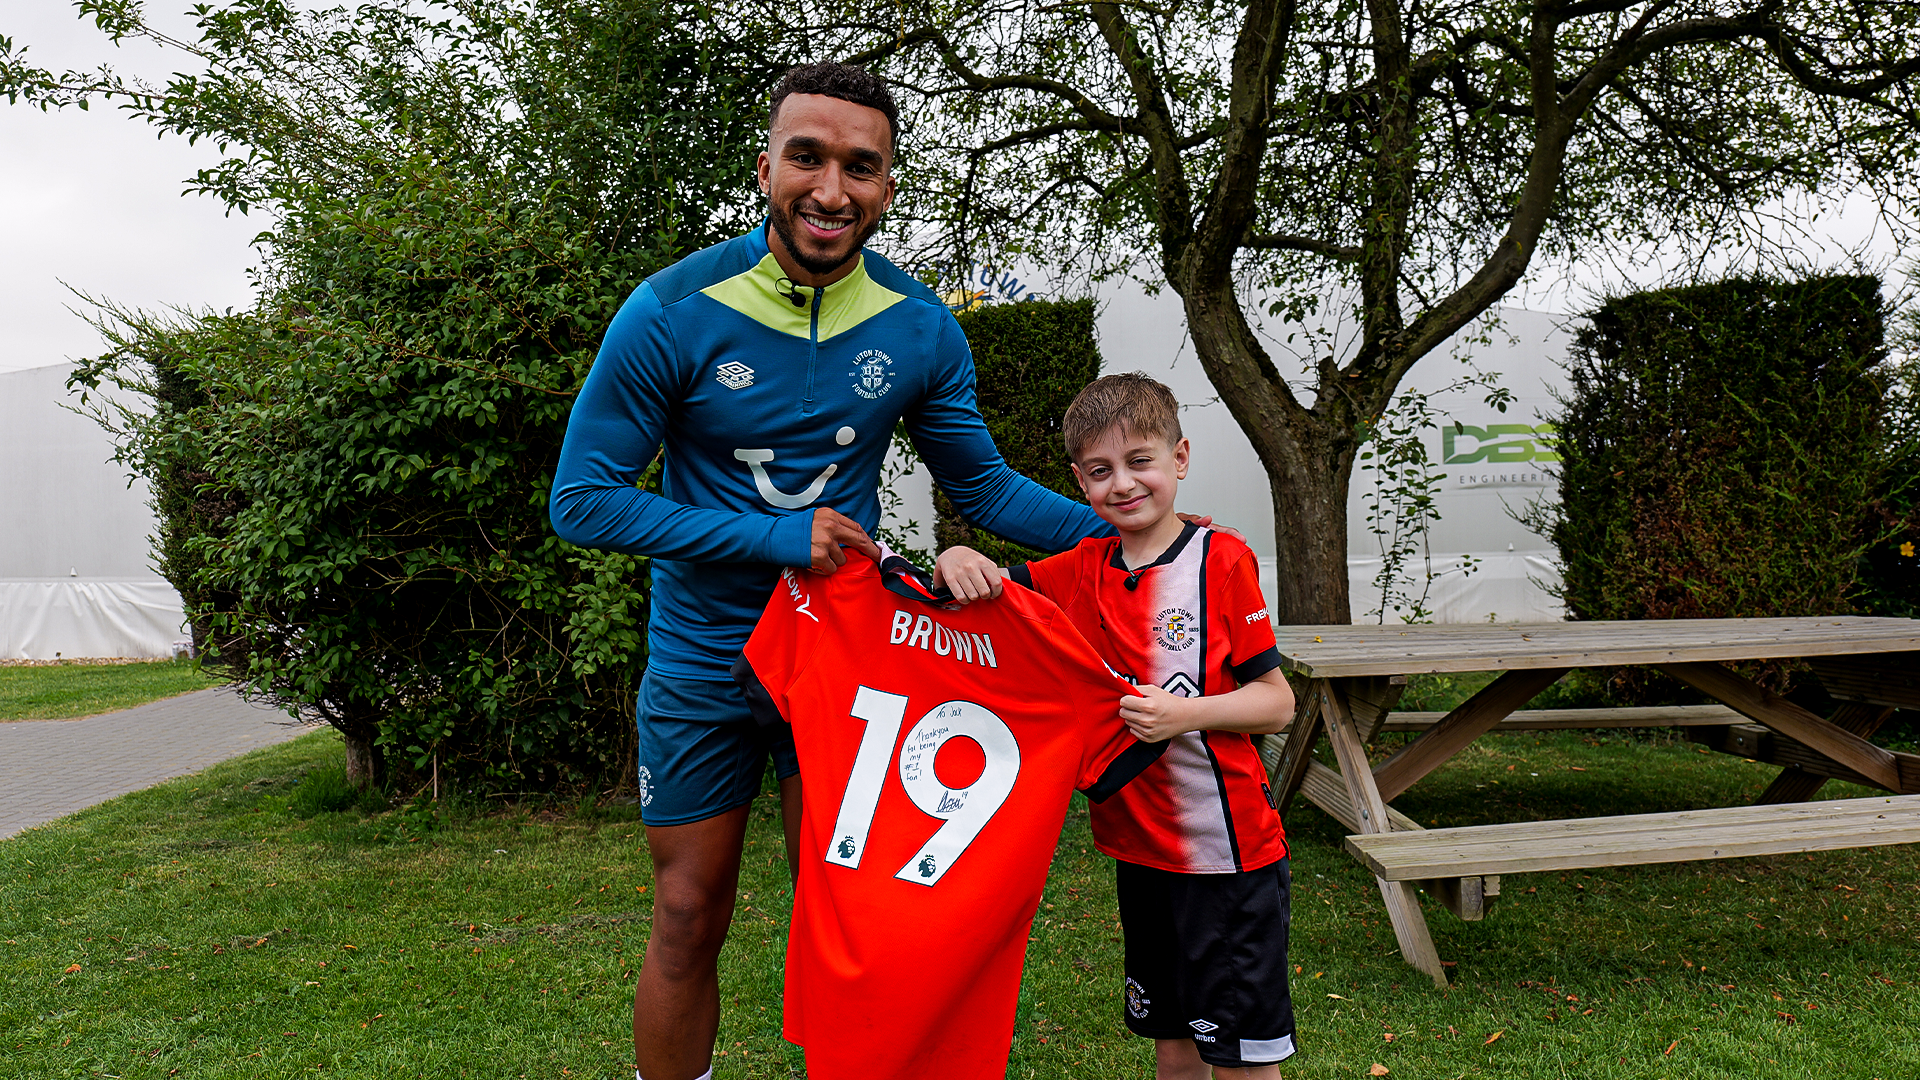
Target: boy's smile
{"x":1130,"y":480}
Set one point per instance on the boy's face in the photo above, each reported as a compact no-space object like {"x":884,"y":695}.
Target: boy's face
{"x":1130,"y":478}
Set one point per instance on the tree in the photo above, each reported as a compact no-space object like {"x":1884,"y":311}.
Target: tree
{"x":352,"y":475}
{"x":1420,"y":155}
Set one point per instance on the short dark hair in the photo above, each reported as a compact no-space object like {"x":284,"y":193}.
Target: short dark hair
{"x":1133,"y":401}
{"x":843,"y":81}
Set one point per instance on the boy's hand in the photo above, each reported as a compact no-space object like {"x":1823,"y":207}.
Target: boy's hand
{"x":833,"y":530}
{"x":968,"y":574}
{"x":1156,"y":715}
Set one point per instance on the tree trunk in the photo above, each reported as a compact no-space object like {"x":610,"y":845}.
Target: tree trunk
{"x":1310,"y":525}
{"x":363,"y":759}
{"x":1308,"y":456}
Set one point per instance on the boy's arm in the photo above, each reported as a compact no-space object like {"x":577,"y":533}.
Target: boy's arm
{"x":1260,"y":707}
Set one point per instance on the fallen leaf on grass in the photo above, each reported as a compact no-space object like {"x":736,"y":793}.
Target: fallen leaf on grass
{"x":1670,"y":1047}
{"x":1336,"y":997}
{"x":1576,"y":768}
{"x":72,"y":969}
{"x":1377,"y":1070}
{"x":1786,"y":1016}
{"x":1492,"y":1037}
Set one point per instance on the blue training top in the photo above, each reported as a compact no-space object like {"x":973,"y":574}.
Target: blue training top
{"x":769,"y":407}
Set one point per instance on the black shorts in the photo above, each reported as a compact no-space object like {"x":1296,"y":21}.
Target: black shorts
{"x":1207,"y":960}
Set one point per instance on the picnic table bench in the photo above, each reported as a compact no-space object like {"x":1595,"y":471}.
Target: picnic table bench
{"x":1356,"y":675}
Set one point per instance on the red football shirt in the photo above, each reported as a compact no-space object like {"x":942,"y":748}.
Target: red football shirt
{"x":940,"y":748}
{"x":1192,"y":622}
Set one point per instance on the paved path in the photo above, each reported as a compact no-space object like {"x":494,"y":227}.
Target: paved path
{"x":51,"y":768}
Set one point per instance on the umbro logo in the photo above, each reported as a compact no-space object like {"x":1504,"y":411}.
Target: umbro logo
{"x":1203,"y":1026}
{"x":733,"y":375}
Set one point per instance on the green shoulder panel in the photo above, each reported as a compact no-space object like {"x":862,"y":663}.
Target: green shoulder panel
{"x":759,"y":295}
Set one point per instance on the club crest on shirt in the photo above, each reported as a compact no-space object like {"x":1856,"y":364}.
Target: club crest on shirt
{"x":1175,"y":629}
{"x":1137,"y":1000}
{"x":646,"y":786}
{"x":733,"y":375}
{"x":872,"y":374}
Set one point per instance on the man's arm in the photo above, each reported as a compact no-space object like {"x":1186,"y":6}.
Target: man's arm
{"x":952,"y":439}
{"x":613,"y":435}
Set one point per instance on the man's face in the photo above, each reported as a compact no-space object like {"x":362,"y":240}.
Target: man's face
{"x":827,"y":176}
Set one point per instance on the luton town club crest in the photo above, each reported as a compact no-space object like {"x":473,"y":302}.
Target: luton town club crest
{"x":872,"y":374}
{"x":1175,"y":629}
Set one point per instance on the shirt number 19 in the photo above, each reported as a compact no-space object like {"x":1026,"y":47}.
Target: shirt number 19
{"x":963,"y":811}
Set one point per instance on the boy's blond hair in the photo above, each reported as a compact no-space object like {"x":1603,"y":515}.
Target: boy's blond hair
{"x":1133,"y":401}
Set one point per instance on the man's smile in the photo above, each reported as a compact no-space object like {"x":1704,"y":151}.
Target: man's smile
{"x":830,"y":227}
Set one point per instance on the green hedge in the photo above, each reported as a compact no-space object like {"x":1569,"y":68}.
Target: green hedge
{"x":1029,"y":359}
{"x":1722,"y":451}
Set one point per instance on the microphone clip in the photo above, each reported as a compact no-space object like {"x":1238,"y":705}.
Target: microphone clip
{"x":785,"y":287}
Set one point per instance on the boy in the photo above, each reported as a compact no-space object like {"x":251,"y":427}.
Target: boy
{"x":1176,"y":609}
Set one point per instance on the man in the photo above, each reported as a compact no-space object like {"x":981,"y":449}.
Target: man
{"x":774,"y":366}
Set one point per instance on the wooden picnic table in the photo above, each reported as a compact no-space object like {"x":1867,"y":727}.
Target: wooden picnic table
{"x":1356,"y":675}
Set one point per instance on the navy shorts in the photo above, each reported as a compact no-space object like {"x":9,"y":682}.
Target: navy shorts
{"x":1207,"y":960}
{"x":701,"y":753}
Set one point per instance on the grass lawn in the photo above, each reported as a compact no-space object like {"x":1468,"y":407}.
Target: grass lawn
{"x":200,"y":929}
{"x":64,"y":691}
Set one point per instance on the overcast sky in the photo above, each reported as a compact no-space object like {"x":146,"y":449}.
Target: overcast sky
{"x":93,"y":201}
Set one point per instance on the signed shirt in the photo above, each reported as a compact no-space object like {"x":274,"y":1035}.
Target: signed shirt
{"x":941,"y":747}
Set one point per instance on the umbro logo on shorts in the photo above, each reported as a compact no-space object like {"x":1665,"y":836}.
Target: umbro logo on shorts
{"x":1203,"y":1026}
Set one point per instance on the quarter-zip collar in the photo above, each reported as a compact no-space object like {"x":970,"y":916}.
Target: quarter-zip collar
{"x":766,"y":295}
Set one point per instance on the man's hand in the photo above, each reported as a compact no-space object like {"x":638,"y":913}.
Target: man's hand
{"x":1205,"y":521}
{"x":1156,"y":715}
{"x":968,"y":574}
{"x":833,"y":531}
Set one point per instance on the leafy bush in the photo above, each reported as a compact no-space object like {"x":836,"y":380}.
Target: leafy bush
{"x":1030,"y":359}
{"x":1723,"y":451}
{"x":352,"y":476}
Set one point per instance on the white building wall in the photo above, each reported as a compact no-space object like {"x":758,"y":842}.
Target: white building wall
{"x":76,"y":575}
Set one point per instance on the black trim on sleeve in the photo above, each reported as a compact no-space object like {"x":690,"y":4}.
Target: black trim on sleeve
{"x":759,"y":702}
{"x":1256,"y":665}
{"x":1130,"y":763}
{"x":1022,"y":575}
